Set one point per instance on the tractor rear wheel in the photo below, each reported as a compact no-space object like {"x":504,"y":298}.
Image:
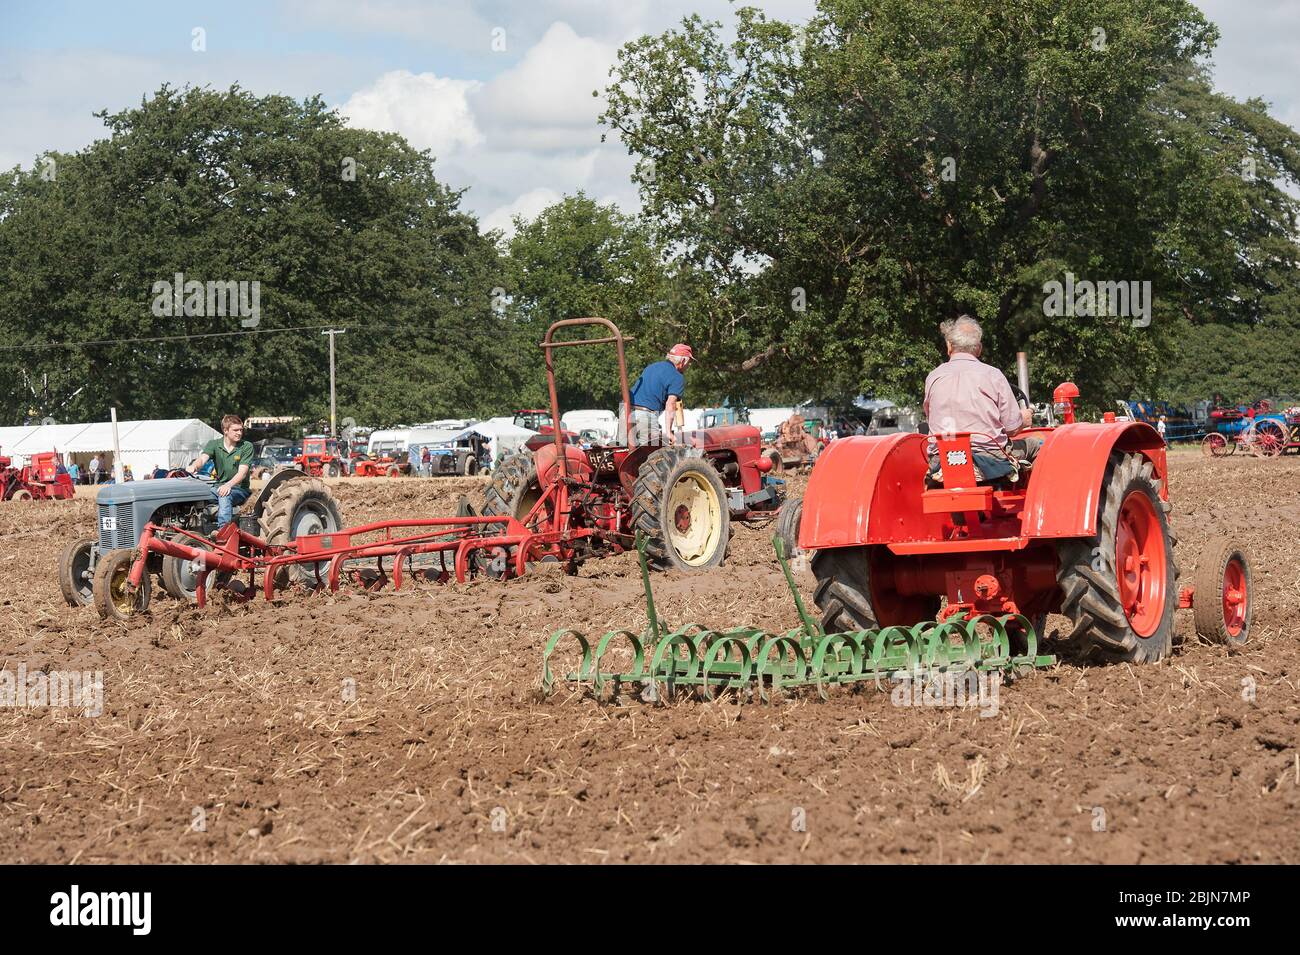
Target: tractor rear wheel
{"x":679,"y":502}
{"x":515,"y":489}
{"x":75,"y":578}
{"x":1120,"y":585}
{"x":22,"y":494}
{"x":849,"y":601}
{"x":113,"y":597}
{"x":471,"y":466}
{"x":299,"y":507}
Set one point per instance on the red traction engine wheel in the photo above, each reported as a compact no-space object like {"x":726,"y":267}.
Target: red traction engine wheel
{"x":1215,"y":445}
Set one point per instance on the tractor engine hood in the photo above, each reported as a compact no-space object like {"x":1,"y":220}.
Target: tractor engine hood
{"x":724,"y":436}
{"x":161,"y":491}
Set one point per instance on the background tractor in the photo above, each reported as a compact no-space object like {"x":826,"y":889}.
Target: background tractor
{"x":683,"y":497}
{"x":321,"y":456}
{"x":94,"y":569}
{"x":1083,"y":531}
{"x":43,"y":478}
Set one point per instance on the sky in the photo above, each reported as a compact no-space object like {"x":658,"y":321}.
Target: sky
{"x":498,"y":90}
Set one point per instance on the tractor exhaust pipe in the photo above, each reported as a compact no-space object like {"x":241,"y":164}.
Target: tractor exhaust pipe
{"x":1022,"y":373}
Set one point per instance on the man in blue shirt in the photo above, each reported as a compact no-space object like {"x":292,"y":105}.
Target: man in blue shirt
{"x":658,"y":391}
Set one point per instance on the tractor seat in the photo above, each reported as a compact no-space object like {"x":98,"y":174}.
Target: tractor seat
{"x":955,"y":464}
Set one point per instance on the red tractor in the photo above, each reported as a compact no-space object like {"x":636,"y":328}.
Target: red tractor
{"x":43,"y":479}
{"x":894,"y":525}
{"x":320,"y":457}
{"x":363,"y":465}
{"x":543,"y":422}
{"x":559,"y":503}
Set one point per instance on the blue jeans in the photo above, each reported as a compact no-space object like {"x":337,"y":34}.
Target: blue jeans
{"x":226,"y":505}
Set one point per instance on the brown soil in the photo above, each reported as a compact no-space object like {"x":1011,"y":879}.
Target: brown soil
{"x":236,"y":717}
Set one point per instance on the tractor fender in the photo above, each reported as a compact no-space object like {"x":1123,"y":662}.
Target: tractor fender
{"x":867,"y":490}
{"x":1065,"y":482}
{"x":547,"y":463}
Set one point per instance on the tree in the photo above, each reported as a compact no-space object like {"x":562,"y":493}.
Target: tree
{"x":841,"y":189}
{"x":339,"y":227}
{"x":578,"y":259}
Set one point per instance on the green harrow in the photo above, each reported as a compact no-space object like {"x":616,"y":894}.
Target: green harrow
{"x":751,"y":660}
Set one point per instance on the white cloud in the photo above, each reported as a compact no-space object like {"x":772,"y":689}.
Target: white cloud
{"x":528,"y":205}
{"x":432,"y":112}
{"x":545,"y":101}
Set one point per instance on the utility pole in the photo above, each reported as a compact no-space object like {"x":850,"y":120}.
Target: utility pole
{"x":333,"y":415}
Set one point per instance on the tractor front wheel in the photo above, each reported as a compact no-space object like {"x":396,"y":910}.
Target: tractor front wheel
{"x":1221,"y":608}
{"x":787,"y":524}
{"x":76,"y":580}
{"x":180,"y":578}
{"x":1120,"y":585}
{"x":114,"y":597}
{"x":679,"y":502}
{"x":1214,"y":445}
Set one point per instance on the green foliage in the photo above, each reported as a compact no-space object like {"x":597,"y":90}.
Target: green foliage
{"x":580,"y":259}
{"x":223,"y":185}
{"x":902,"y":161}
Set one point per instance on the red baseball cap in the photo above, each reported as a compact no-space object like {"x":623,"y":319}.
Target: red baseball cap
{"x":681,"y":350}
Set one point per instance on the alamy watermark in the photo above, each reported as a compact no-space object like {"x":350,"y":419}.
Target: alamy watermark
{"x":971,"y":688}
{"x":72,"y":689}
{"x":194,"y":299}
{"x":1088,"y":299}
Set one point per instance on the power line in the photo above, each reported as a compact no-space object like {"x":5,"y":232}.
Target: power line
{"x":181,"y":338}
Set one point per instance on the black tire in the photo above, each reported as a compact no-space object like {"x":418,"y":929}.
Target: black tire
{"x":1090,"y":589}
{"x":787,"y":525}
{"x":1208,"y":611}
{"x":333,"y":470}
{"x":111,"y":598}
{"x":299,"y":506}
{"x":669,"y":471}
{"x":514,"y":488}
{"x":179,"y":578}
{"x":845,"y":597}
{"x":471,"y":467}
{"x":76,"y":580}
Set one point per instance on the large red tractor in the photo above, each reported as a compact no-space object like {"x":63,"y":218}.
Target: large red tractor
{"x":894,"y":524}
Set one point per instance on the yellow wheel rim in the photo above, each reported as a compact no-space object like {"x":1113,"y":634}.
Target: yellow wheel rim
{"x":694,"y":519}
{"x":120,"y":593}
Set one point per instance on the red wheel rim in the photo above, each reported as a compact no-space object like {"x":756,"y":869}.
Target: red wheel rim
{"x":1213,"y":445}
{"x":1235,"y":597}
{"x":1140,"y":563}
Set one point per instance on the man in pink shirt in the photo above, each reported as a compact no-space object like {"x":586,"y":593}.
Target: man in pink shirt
{"x":964,"y":394}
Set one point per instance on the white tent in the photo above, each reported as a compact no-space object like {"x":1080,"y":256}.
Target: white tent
{"x":503,"y":437}
{"x":167,"y":443}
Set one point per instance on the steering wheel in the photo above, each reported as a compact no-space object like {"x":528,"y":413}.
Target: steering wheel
{"x":1022,"y":399}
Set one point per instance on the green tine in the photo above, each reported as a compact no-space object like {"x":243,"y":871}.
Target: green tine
{"x":809,"y":625}
{"x":641,"y":541}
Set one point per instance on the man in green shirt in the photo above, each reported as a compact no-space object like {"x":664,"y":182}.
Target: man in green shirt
{"x":233,"y":457}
